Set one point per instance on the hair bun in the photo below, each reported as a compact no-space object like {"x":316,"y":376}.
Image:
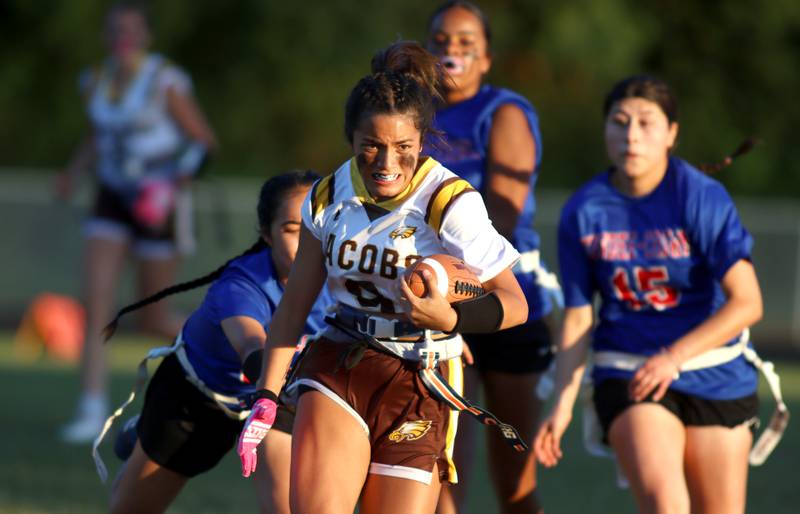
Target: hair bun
{"x":409,"y":58}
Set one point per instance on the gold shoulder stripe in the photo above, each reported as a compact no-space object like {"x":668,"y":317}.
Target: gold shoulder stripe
{"x":441,"y":200}
{"x":426,"y":164}
{"x":322,"y":194}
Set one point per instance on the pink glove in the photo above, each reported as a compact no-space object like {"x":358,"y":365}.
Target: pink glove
{"x":258,"y":423}
{"x":154,"y":203}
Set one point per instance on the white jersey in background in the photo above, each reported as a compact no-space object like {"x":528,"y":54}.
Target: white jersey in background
{"x":136,"y":135}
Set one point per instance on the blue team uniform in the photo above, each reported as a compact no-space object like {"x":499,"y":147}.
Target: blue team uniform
{"x":657,"y":262}
{"x":466,"y":126}
{"x":248,"y":287}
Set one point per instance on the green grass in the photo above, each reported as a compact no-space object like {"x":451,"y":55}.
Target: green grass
{"x":39,"y":474}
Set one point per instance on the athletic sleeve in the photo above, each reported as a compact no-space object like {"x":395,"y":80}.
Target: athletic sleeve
{"x":718,"y":232}
{"x":233,"y":295}
{"x":573,"y":261}
{"x":467,"y":233}
{"x":311,"y":222}
{"x":172,"y":77}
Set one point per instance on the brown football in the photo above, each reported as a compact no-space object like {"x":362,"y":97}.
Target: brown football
{"x":462,"y":283}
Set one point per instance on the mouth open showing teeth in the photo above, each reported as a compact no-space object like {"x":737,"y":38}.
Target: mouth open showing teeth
{"x":382,"y":177}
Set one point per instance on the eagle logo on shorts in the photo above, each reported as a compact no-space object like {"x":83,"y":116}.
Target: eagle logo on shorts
{"x":410,"y":431}
{"x":402,"y":232}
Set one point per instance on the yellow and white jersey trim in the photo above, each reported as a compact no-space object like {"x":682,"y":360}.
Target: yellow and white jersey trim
{"x":368,"y":244}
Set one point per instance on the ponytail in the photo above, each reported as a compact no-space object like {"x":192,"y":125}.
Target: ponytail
{"x":409,"y":58}
{"x":743,"y":148}
{"x":405,"y":79}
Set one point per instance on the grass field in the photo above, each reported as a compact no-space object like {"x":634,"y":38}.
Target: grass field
{"x":38,"y":474}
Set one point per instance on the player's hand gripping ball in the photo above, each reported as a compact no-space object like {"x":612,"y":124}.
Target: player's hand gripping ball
{"x":455,"y":281}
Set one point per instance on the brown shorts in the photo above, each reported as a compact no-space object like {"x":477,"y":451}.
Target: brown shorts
{"x":409,"y":430}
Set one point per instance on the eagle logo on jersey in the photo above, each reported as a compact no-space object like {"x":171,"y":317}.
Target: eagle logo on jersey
{"x":410,"y":431}
{"x":402,"y":232}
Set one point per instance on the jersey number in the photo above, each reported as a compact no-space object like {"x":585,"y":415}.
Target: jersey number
{"x":368,"y":295}
{"x":650,"y":288}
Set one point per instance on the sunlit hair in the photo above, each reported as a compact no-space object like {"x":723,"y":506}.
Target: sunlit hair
{"x":658,"y":91}
{"x":467,"y":6}
{"x":648,"y":87}
{"x":273,"y":191}
{"x":405,"y":79}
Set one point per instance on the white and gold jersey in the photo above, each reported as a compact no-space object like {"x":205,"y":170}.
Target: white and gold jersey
{"x":368,"y":244}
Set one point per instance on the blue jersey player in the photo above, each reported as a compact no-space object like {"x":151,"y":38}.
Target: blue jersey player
{"x":491,"y":138}
{"x":663,"y":247}
{"x":193,"y":413}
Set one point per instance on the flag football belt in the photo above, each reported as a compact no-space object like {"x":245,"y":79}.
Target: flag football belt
{"x":141,"y":379}
{"x":436,"y":384}
{"x":771,"y":435}
{"x":380,"y":327}
{"x":398,"y":337}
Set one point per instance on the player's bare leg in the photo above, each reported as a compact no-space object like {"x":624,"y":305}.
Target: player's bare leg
{"x":272,"y":473}
{"x":512,"y":398}
{"x":154,"y":275}
{"x":144,"y":487}
{"x":102,"y":266}
{"x":453,"y":498}
{"x":389,"y":495}
{"x":649,"y":442}
{"x":330,"y":457}
{"x":716,"y":468}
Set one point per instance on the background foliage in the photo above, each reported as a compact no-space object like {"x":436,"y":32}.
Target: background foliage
{"x":273,"y":76}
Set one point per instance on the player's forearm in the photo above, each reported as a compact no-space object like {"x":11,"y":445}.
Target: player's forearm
{"x":83,"y":157}
{"x":279,"y":348}
{"x":573,"y":348}
{"x":742,"y":309}
{"x":736,"y":315}
{"x":276,"y":361}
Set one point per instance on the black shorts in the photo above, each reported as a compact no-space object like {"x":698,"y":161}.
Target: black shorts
{"x":525,"y":348}
{"x":284,"y":418}
{"x":180,"y":428}
{"x":611,"y":399}
{"x":183,"y":430}
{"x":111,"y":206}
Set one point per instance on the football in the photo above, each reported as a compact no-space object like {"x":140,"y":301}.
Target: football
{"x":456,"y":282}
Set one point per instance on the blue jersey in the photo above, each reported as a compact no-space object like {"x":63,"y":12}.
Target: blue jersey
{"x":467,"y":126}
{"x":248,"y":287}
{"x":657,"y":262}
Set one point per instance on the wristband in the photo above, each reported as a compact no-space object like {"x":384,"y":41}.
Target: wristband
{"x":481,"y":315}
{"x":192,"y":159}
{"x":251,"y":367}
{"x":264,"y":393}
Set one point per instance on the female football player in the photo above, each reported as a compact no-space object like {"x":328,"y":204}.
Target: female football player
{"x":370,"y":426}
{"x":147,"y":139}
{"x":662,"y":245}
{"x":492,"y":139}
{"x":192,"y":415}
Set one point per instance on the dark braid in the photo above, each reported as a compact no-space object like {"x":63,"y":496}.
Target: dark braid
{"x":743,"y":148}
{"x":269,"y":200}
{"x":406,"y":79}
{"x":109,"y":330}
